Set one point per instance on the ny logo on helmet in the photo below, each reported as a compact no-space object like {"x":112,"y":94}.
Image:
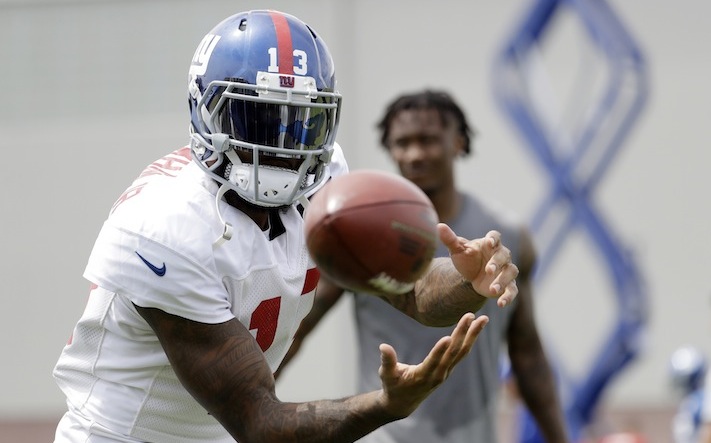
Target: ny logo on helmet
{"x":198,"y":66}
{"x":286,"y":81}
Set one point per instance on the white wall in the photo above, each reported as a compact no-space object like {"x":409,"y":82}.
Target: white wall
{"x":94,"y":90}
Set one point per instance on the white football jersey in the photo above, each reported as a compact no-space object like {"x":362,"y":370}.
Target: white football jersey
{"x":156,"y":250}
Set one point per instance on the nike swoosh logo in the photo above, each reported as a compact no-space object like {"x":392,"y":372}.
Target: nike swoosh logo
{"x":160,"y":272}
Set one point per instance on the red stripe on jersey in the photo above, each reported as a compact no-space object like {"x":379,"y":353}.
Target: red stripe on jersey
{"x":312,"y":277}
{"x":285,"y":48}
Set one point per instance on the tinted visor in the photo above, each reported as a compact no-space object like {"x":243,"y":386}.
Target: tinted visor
{"x":301,"y":126}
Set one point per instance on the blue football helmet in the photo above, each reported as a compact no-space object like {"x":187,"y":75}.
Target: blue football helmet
{"x":262,"y":84}
{"x":687,"y":367}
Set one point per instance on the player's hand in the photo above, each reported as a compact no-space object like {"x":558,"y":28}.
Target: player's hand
{"x":406,"y":386}
{"x":485,"y":262}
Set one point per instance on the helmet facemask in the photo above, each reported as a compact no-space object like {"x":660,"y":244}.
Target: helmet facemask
{"x":275,"y":140}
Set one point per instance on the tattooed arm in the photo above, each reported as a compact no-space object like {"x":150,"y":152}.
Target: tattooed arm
{"x":224,"y":369}
{"x":476,"y":270}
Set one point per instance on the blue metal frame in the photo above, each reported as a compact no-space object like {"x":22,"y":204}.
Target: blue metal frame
{"x":574,"y":177}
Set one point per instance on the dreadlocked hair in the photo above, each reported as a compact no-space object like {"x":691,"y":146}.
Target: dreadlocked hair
{"x":440,"y":101}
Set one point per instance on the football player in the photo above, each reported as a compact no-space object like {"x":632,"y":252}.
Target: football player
{"x":425,"y":132}
{"x":200,"y":274}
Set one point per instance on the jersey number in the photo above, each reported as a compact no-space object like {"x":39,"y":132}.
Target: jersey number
{"x":264,"y":319}
{"x":300,"y":67}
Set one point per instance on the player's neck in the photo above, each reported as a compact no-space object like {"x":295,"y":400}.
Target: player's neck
{"x":258,"y":214}
{"x":447,"y":202}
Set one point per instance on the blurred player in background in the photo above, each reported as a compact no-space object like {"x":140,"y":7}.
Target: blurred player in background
{"x":424,"y":133}
{"x":200,"y":275}
{"x":705,"y":425}
{"x":687,"y":367}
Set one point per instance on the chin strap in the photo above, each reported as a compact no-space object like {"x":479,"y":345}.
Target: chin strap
{"x":305,"y":202}
{"x":227,"y":231}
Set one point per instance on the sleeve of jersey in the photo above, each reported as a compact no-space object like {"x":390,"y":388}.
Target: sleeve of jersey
{"x":154,"y":276}
{"x":337,"y":166}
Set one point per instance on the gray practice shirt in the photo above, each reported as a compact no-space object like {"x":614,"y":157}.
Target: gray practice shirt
{"x":464,"y":408}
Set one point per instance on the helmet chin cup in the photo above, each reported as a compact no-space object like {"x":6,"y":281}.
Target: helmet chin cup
{"x":265,"y":186}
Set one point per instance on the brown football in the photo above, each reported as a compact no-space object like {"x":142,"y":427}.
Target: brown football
{"x":371,"y":231}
